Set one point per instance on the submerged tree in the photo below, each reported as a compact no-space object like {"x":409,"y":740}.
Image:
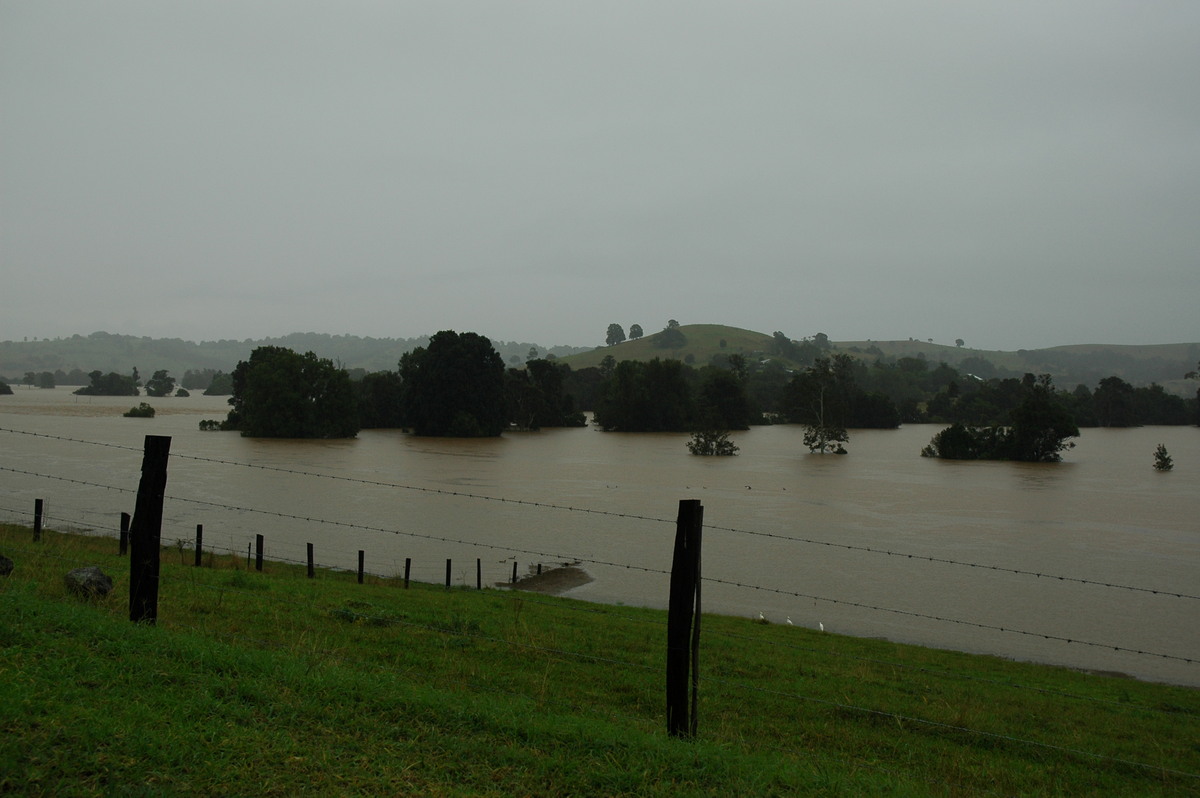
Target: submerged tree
{"x":1162,"y":460}
{"x":278,"y":393}
{"x":712,"y":443}
{"x":454,"y":387}
{"x":819,"y":399}
{"x":1038,"y":432}
{"x":160,"y":384}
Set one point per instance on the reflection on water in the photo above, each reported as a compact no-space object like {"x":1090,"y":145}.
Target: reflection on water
{"x":825,"y":539}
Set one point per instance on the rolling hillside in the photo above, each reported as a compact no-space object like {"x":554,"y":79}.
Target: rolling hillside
{"x":1085,"y":364}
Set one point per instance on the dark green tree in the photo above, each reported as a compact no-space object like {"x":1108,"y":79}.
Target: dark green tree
{"x":722,"y":401}
{"x":1041,"y":424}
{"x":712,"y":442}
{"x":278,"y":393}
{"x":221,"y":384}
{"x":454,"y":387}
{"x":819,"y":398}
{"x":635,"y":332}
{"x":1113,"y":403}
{"x":1038,"y":432}
{"x":652,"y":396}
{"x":1162,"y":460}
{"x":380,"y":400}
{"x":160,"y":384}
{"x":615,"y":334}
{"x":536,"y":398}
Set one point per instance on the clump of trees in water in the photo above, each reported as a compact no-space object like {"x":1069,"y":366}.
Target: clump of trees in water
{"x":455,"y":387}
{"x":1037,"y":431}
{"x":111,"y":384}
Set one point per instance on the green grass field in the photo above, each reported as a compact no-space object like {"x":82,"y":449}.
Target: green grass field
{"x":274,"y":684}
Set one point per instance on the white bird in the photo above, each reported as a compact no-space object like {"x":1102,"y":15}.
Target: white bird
{"x":762,"y":617}
{"x":821,"y":626}
{"x":789,"y":621}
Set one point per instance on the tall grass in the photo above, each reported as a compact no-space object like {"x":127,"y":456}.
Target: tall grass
{"x":274,"y":684}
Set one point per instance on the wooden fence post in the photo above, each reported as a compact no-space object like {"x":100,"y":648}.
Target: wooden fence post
{"x":311,"y":572}
{"x":407,"y":570}
{"x":124,"y":544}
{"x":684,"y":609}
{"x":361,"y":555}
{"x":514,"y":576}
{"x":258,"y":552}
{"x":478,"y":573}
{"x":199,"y":544}
{"x":447,"y":572}
{"x":38,"y":505}
{"x":145,"y":534}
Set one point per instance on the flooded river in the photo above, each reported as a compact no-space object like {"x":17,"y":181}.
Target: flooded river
{"x":820,"y":539}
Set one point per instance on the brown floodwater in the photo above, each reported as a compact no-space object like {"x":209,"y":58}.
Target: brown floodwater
{"x":820,"y":539}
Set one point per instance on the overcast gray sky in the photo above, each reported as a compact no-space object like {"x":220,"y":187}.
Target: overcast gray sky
{"x":1017,"y":174}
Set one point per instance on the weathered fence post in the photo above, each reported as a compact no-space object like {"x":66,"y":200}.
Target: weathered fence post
{"x":124,"y":544}
{"x":145,"y":534}
{"x":199,"y":544}
{"x":683,"y":611}
{"x":38,"y":505}
{"x":514,"y":576}
{"x":447,"y":572}
{"x":478,"y":573}
{"x":407,"y":570}
{"x":258,"y":552}
{"x":361,"y":555}
{"x":311,"y":572}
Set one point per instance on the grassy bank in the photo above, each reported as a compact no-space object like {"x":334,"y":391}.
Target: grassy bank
{"x":274,"y":684}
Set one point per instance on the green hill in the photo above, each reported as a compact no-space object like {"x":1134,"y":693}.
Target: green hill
{"x":1085,"y":364}
{"x":702,"y":342}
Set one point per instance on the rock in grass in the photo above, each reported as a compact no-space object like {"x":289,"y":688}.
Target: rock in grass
{"x":6,"y":566}
{"x":89,"y":582}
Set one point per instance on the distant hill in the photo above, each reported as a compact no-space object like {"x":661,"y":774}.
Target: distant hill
{"x":1083,"y":364}
{"x":121,"y":353}
{"x":703,"y":341}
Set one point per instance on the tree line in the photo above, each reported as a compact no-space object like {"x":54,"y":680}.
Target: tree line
{"x":459,"y":386}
